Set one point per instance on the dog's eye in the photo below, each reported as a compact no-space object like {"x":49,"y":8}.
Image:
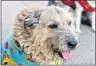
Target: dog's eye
{"x":69,"y":23}
{"x":53,"y":26}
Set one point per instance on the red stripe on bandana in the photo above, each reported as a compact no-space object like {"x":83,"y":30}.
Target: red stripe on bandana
{"x":6,"y":46}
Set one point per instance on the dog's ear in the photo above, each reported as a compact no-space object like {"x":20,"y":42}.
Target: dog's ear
{"x":32,"y":20}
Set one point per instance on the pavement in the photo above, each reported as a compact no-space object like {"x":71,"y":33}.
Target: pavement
{"x":83,"y":55}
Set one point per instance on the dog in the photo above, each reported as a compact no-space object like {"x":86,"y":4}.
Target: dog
{"x":77,"y":7}
{"x":89,"y":9}
{"x":43,"y":35}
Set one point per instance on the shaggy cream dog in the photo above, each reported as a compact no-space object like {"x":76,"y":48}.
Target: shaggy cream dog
{"x":42,"y":32}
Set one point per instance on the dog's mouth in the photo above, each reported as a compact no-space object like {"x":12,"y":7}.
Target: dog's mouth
{"x":65,"y":54}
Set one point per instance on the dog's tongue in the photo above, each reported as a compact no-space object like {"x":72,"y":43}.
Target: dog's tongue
{"x":66,"y":55}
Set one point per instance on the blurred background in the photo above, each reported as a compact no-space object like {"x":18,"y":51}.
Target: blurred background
{"x":83,"y":55}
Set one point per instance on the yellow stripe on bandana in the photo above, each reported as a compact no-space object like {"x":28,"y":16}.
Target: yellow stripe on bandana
{"x":8,"y":60}
{"x":57,"y":62}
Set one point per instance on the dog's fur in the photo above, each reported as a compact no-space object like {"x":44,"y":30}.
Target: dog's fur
{"x":38,"y":37}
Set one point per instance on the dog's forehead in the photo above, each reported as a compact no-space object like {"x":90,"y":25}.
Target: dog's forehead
{"x":52,"y":14}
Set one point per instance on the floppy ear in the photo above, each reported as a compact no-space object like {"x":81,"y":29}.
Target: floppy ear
{"x":24,"y":21}
{"x":32,"y":20}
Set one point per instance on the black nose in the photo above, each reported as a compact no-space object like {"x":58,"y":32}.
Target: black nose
{"x":72,"y":44}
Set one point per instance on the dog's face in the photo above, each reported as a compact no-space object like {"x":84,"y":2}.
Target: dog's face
{"x":51,"y":28}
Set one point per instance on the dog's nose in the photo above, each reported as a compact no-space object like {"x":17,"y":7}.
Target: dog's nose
{"x":72,"y":44}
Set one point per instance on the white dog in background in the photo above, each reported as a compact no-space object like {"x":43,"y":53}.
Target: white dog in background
{"x":77,"y":11}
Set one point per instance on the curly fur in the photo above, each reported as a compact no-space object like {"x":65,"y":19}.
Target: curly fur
{"x":31,"y":41}
{"x":41,"y":41}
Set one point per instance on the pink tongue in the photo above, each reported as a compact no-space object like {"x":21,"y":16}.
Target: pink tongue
{"x":66,"y":55}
